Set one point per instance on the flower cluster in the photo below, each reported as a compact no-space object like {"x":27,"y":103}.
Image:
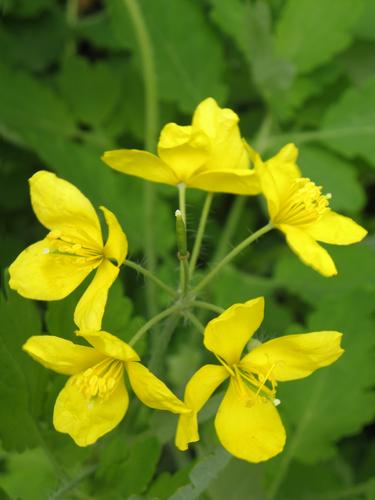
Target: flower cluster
{"x":209,"y":154}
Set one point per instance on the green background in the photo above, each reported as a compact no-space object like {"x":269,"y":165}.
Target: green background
{"x":71,"y":87}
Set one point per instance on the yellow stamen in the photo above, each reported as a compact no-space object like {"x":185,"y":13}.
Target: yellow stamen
{"x":101,"y":379}
{"x":303,"y":204}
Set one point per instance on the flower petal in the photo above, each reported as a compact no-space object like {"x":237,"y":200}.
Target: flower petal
{"x":116,"y":246}
{"x":336,"y":229}
{"x":276,"y":174}
{"x":152,"y":391}
{"x":140,"y":164}
{"x":308,"y":250}
{"x":60,"y":355}
{"x":228,"y":151}
{"x":184,"y":149}
{"x":227,"y":335}
{"x":244,"y":181}
{"x":198,"y":390}
{"x":253,"y":433}
{"x":60,"y":206}
{"x":86,"y":420}
{"x":38,"y":273}
{"x":89,"y":312}
{"x":294,"y":356}
{"x":109,"y":345}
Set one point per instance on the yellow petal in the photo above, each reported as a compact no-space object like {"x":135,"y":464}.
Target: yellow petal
{"x":336,"y":229}
{"x":184,"y":149}
{"x":221,"y":125}
{"x":244,"y":181}
{"x":60,"y":206}
{"x":116,"y":247}
{"x":86,"y":420}
{"x":140,"y":164}
{"x":41,"y":274}
{"x":89,"y":312}
{"x":294,"y":356}
{"x":61,"y":355}
{"x":309,"y":251}
{"x":253,"y":433}
{"x":227,"y":335}
{"x":109,"y":345}
{"x":152,"y":391}
{"x":275,"y":176}
{"x":198,"y":390}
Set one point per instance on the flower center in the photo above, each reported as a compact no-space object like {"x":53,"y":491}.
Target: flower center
{"x":303,"y":204}
{"x":249,"y":384}
{"x":101,"y":379}
{"x":61,"y":245}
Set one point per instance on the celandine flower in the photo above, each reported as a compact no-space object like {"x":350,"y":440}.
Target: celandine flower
{"x":247,"y":423}
{"x":53,"y":267}
{"x":95,"y":399}
{"x":298,"y":208}
{"x":209,"y":154}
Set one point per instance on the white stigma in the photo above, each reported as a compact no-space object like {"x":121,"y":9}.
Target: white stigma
{"x":178,"y":213}
{"x":276,"y":402}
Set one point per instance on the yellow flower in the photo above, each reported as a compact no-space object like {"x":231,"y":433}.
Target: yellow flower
{"x":53,"y":267}
{"x":247,"y":423}
{"x":95,"y":399}
{"x":298,"y":208}
{"x":209,"y":154}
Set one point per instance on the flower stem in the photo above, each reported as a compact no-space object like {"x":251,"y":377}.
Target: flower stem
{"x":206,"y":305}
{"x":230,"y":256}
{"x":195,"y":321}
{"x":200,"y":233}
{"x":151,"y":125}
{"x":153,"y":321}
{"x":183,"y":254}
{"x":148,"y":274}
{"x":230,"y":227}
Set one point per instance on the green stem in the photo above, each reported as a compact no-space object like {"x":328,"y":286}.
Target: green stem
{"x":183,"y":256}
{"x":148,"y":274}
{"x":193,"y":319}
{"x":206,"y":305}
{"x":153,"y":321}
{"x":230,"y":256}
{"x":151,"y":125}
{"x":200,"y":233}
{"x":159,"y":347}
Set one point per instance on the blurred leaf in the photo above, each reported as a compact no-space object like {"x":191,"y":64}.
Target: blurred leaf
{"x":20,"y":378}
{"x":337,"y":176}
{"x":33,"y":44}
{"x":202,"y":474}
{"x":349,"y":126}
{"x":166,"y":484}
{"x":365,"y":27}
{"x":312,"y":406}
{"x":24,"y":8}
{"x":30,"y":111}
{"x":129,"y":469}
{"x":312,"y":287}
{"x":90,"y":89}
{"x":177,"y":53}
{"x":310,"y":32}
{"x":30,"y":475}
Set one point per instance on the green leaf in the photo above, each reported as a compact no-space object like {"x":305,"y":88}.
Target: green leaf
{"x":310,"y":32}
{"x":21,"y":380}
{"x":22,"y":99}
{"x":90,"y":89}
{"x":349,"y":126}
{"x":24,"y":8}
{"x":312,"y":287}
{"x":202,"y":475}
{"x":29,"y":475}
{"x":336,"y":401}
{"x":181,"y":40}
{"x":337,"y":176}
{"x":365,"y":27}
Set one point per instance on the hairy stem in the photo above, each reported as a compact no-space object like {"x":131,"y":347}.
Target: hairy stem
{"x":148,"y":274}
{"x":200,"y":233}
